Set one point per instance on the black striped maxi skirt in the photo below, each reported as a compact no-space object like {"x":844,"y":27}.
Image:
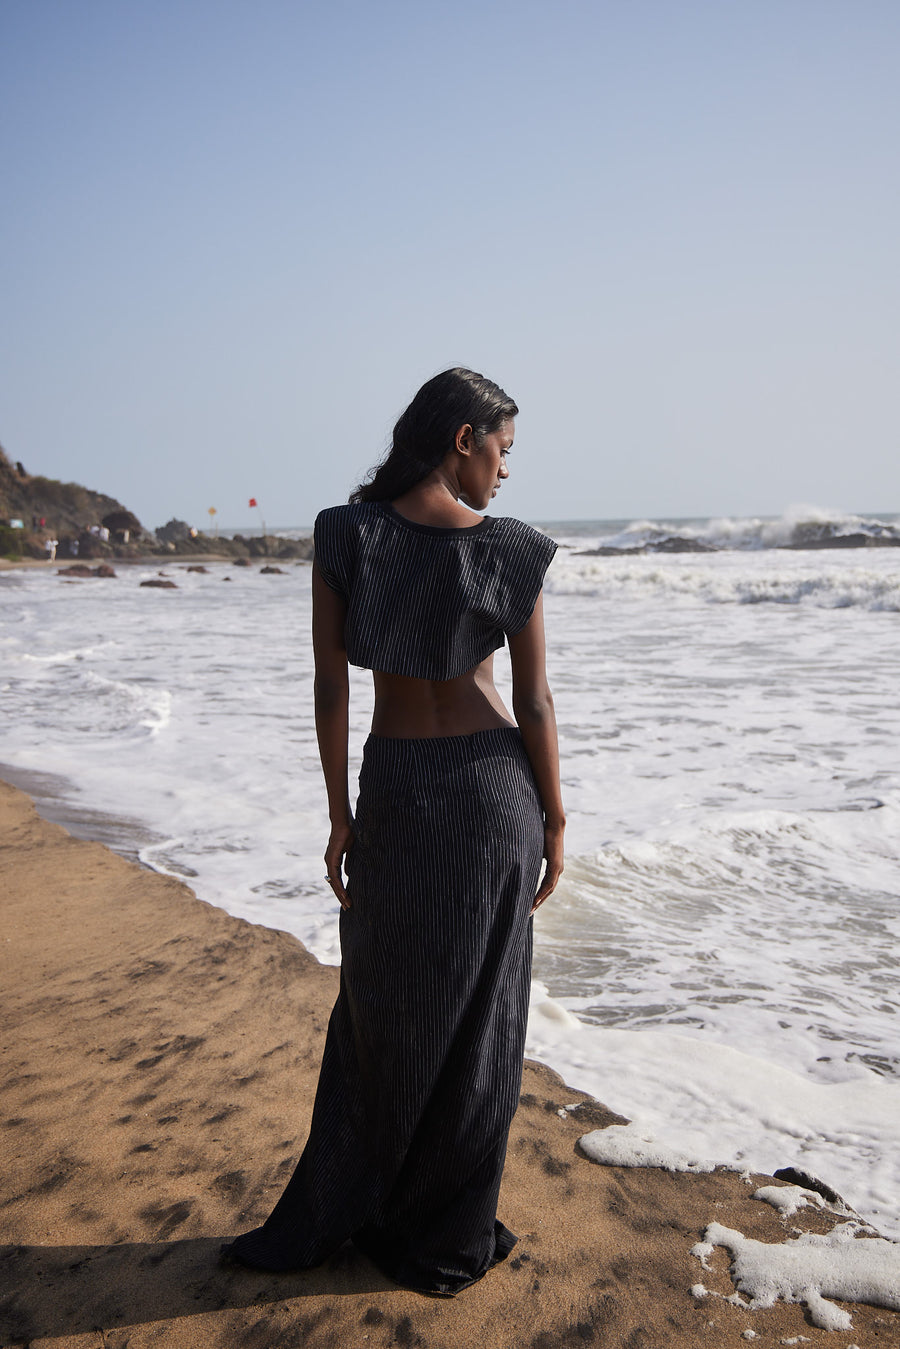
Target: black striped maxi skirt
{"x":422,"y":1066}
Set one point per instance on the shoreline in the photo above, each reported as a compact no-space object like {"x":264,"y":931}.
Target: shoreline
{"x":294,"y":550}
{"x":180,"y":560}
{"x":160,"y":1060}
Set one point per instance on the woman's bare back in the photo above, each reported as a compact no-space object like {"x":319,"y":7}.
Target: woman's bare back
{"x":417,"y":709}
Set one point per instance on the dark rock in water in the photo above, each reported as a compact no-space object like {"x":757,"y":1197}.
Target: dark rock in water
{"x":676,"y":544}
{"x":672,"y":544}
{"x":792,"y":1175}
{"x":204,"y":571}
{"x":241,"y":562}
{"x":834,"y":534}
{"x":157,"y":584}
{"x":82,"y":569}
{"x":808,"y":541}
{"x":226,"y":578}
{"x":270,"y":571}
{"x":607,"y":551}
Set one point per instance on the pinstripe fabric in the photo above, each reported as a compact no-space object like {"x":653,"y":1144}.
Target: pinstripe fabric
{"x":426,"y":601}
{"x":423,"y":1058}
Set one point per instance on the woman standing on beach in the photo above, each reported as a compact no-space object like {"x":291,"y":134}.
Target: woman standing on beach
{"x":457,"y":806}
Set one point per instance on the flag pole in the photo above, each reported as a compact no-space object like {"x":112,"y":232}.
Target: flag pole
{"x":255,"y":503}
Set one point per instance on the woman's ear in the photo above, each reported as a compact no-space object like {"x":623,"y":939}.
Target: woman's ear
{"x":465,"y":440}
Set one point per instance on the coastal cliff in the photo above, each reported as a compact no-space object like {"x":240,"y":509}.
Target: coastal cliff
{"x":89,"y":524}
{"x":66,"y":508}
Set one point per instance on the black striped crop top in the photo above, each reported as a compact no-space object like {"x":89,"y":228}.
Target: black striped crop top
{"x":423,"y":600}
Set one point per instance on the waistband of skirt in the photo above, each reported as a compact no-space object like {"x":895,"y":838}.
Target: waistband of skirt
{"x":445,"y":749}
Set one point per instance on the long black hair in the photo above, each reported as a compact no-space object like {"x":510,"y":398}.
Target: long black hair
{"x":426,"y":431}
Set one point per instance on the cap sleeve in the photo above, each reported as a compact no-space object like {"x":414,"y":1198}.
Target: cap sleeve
{"x":528,"y":556}
{"x":333,"y":542}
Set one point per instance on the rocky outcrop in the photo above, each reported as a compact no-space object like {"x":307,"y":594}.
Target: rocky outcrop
{"x":238,"y":549}
{"x":122,"y":523}
{"x":175,"y":531}
{"x":809,"y":540}
{"x":68,"y":511}
{"x":670,"y":544}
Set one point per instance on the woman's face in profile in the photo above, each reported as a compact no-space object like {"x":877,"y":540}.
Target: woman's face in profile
{"x":485,"y":468}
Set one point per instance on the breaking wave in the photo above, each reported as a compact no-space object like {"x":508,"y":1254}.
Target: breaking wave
{"x":800,"y":528}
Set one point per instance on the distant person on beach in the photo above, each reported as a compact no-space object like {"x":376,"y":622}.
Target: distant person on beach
{"x":458,"y":804}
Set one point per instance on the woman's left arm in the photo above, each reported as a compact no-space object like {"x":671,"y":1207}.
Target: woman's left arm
{"x":534,"y":713}
{"x":332,"y":703}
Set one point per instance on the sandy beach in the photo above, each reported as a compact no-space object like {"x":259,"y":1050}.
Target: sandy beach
{"x":160,"y":1059}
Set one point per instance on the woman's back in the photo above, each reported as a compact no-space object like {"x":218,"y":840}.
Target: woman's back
{"x":424,"y":606}
{"x":407,"y":706}
{"x":418,"y":708}
{"x":427,"y":601}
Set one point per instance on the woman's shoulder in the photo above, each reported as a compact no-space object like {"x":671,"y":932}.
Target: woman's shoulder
{"x":517,"y":535}
{"x":351,"y":512}
{"x":350,"y":525}
{"x":340,"y":538}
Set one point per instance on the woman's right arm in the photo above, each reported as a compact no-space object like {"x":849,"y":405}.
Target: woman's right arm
{"x":536,"y":719}
{"x":332,"y":703}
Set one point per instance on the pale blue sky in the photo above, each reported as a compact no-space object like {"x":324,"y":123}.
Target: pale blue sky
{"x":237,"y":237}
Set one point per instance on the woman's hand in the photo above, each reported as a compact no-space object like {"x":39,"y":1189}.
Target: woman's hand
{"x":553,"y":855}
{"x":339,"y":844}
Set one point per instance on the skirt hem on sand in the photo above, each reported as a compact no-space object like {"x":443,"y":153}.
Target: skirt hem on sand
{"x":249,"y":1250}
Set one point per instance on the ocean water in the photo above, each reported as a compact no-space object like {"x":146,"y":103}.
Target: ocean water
{"x":720,"y":961}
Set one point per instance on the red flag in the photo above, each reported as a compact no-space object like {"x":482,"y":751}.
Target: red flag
{"x":253,"y":501}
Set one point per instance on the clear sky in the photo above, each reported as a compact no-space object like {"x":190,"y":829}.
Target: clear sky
{"x":237,"y":236}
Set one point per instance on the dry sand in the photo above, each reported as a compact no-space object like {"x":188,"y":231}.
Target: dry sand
{"x":160,"y":1059}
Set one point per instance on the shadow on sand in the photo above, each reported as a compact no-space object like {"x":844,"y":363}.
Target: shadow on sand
{"x":51,"y":1291}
